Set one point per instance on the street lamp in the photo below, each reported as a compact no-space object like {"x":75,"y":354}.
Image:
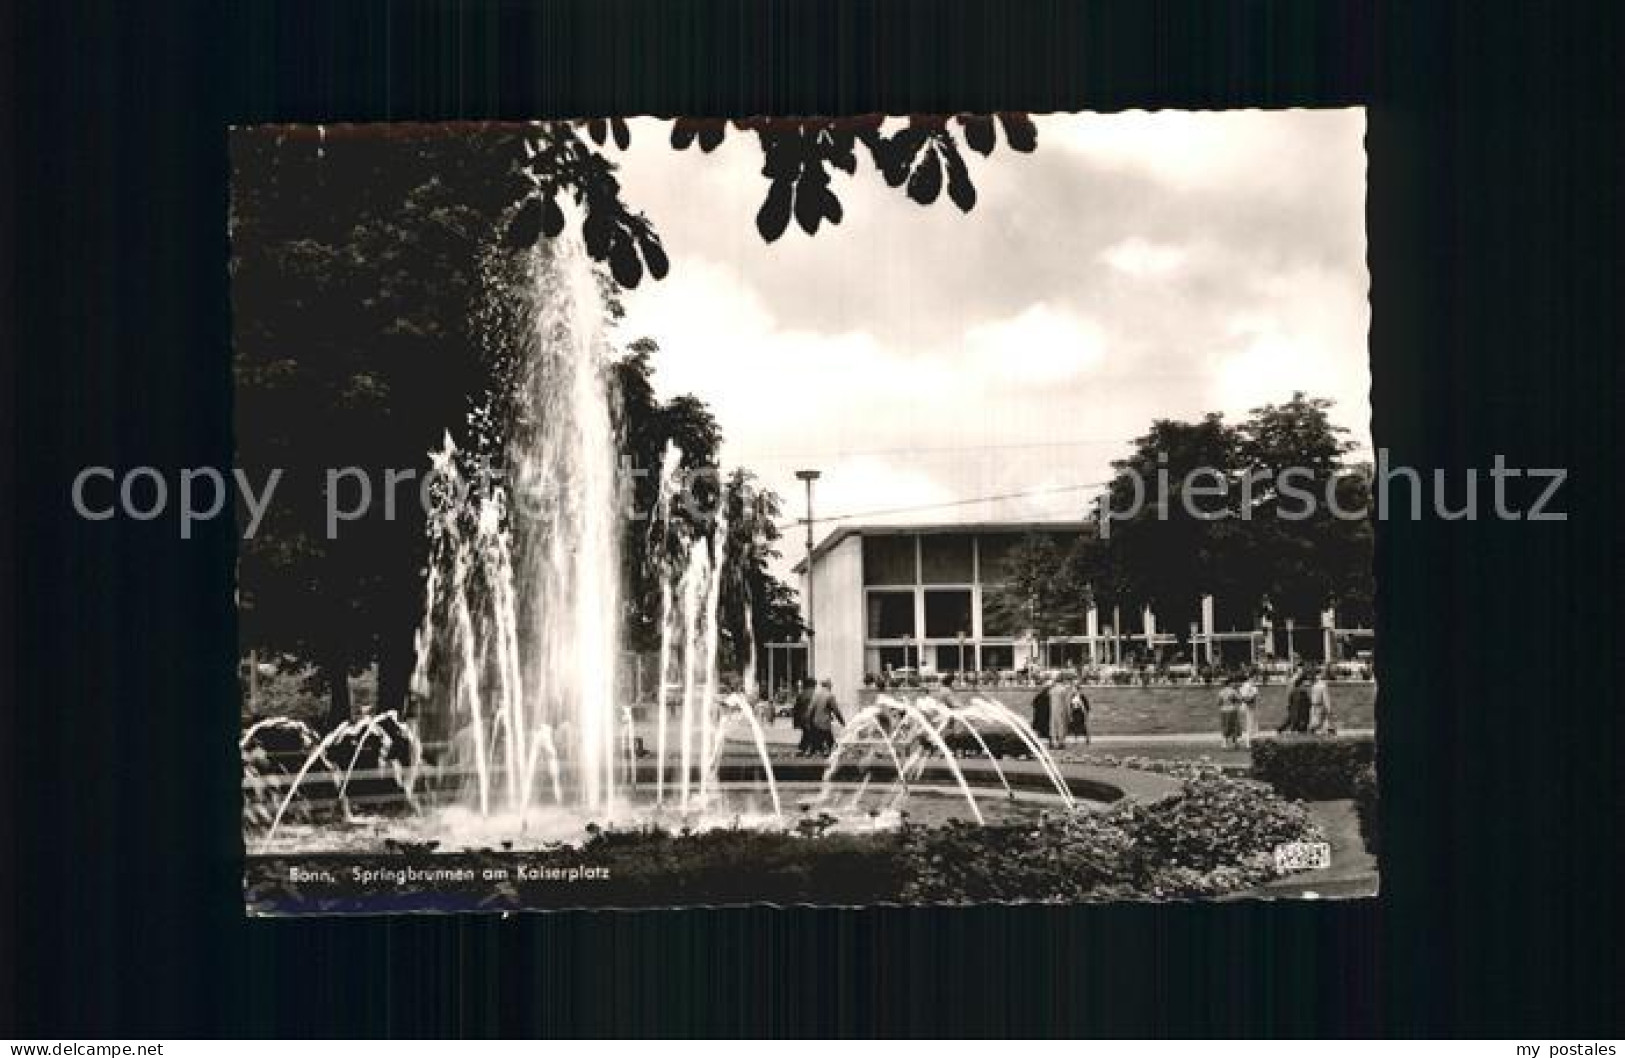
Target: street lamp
{"x":809,"y":476}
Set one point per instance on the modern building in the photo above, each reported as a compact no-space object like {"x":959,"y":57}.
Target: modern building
{"x":920,"y":597}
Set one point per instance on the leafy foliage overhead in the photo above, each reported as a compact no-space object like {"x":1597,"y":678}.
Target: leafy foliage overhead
{"x":798,"y":156}
{"x":561,"y":165}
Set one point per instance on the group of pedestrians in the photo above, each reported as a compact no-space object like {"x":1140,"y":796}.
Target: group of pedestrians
{"x":1309,"y":705}
{"x":815,"y":713}
{"x":1060,"y":709}
{"x":1308,"y":708}
{"x":1238,"y":711}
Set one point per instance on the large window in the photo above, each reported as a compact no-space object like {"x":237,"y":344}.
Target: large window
{"x":947,"y":613}
{"x":996,"y":623}
{"x":998,"y":657}
{"x":945,"y":558}
{"x":994,"y":552}
{"x":879,"y":660}
{"x":1062,"y":655}
{"x":891,"y":615}
{"x":955,"y":658}
{"x":888,"y":560}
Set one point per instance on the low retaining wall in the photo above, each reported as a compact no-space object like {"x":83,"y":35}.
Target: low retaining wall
{"x":1178,"y":710}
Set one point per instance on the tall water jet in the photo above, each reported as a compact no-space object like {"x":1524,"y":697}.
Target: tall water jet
{"x":563,"y":457}
{"x":669,"y":463}
{"x":520,"y":641}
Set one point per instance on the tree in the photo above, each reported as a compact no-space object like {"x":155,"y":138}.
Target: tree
{"x":1302,"y":553}
{"x":1040,"y":590}
{"x":650,"y":547}
{"x":357,"y":284}
{"x":1239,"y":512}
{"x":1170,"y":540}
{"x":748,"y":586}
{"x":1091,"y":564}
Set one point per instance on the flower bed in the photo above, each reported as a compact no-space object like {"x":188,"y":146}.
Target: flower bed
{"x":1213,"y":836}
{"x":1174,"y":767}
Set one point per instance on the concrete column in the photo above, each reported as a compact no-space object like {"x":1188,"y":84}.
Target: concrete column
{"x":1148,"y":620}
{"x":1207,"y":627}
{"x":1328,"y":633}
{"x":919,"y":614}
{"x":1091,"y":628}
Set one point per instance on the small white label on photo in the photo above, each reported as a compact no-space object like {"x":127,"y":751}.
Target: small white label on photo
{"x":1303,"y":856}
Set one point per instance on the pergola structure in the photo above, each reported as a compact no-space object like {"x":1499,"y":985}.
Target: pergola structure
{"x":785,"y":664}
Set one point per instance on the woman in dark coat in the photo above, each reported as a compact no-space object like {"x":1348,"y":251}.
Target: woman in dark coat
{"x":1297,"y":706}
{"x":798,"y":717}
{"x":1041,"y":708}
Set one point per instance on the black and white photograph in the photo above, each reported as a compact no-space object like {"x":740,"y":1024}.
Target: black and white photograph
{"x":909,"y":510}
{"x":795,"y":520}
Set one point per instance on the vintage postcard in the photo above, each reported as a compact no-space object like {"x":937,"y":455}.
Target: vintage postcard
{"x":935,"y":509}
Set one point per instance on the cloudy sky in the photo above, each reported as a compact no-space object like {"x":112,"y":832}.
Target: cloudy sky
{"x":1136,"y":266}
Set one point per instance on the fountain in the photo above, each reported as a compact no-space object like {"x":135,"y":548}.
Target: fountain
{"x":520,"y":640}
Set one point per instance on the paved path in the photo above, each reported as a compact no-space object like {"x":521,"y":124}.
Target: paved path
{"x":780,"y":733}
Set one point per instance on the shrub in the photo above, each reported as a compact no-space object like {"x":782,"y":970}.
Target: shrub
{"x":1075,"y":858}
{"x":1365,"y":805}
{"x":1213,"y":823}
{"x":1000,"y":743}
{"x":1215,"y":836}
{"x":1312,"y":769}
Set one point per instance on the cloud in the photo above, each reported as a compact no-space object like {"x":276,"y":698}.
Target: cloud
{"x":1305,"y":330}
{"x":1040,"y":345}
{"x":1228,"y":151}
{"x":1143,"y":259}
{"x":1136,"y":266}
{"x":771,"y":386}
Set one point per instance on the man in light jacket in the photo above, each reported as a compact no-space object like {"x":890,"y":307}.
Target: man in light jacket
{"x":1323,"y":719}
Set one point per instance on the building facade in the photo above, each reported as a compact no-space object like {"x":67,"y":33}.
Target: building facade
{"x":888,"y":598}
{"x":921,"y":598}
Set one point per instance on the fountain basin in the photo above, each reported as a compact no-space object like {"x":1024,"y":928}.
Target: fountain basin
{"x":856,"y":797}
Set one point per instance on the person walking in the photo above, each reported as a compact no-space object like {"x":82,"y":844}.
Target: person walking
{"x":1060,"y":713}
{"x":822,"y":715}
{"x":1041,"y":711}
{"x":1247,"y":699}
{"x":798,"y":717}
{"x":1229,"y":714}
{"x":1297,"y":706}
{"x":1080,"y":714}
{"x":1323,"y":719}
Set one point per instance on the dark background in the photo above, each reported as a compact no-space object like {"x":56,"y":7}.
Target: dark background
{"x":1495,"y":235}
